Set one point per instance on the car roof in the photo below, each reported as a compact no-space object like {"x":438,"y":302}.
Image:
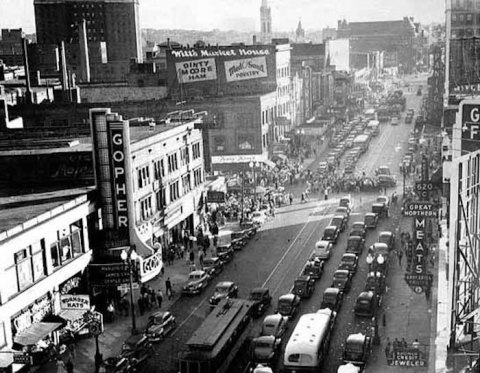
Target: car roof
{"x":349,"y":255}
{"x":198,"y":272}
{"x":370,"y":214}
{"x":259,"y":290}
{"x":331,"y":290}
{"x":365,"y":294}
{"x":224,"y":284}
{"x":322,"y":243}
{"x":159,"y":314}
{"x":288,"y":296}
{"x":303,"y":278}
{"x":273,"y":318}
{"x":342,"y":271}
{"x":213,"y":259}
{"x":330,"y":227}
{"x":385,"y":233}
{"x":354,"y":338}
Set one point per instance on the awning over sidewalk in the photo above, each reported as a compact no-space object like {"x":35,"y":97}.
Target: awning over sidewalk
{"x":72,"y":315}
{"x":36,"y":333}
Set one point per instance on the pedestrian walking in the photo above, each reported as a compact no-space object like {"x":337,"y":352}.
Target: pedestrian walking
{"x":404,"y":343}
{"x":396,"y":344}
{"x":110,"y":312}
{"x":168,"y":287}
{"x":416,"y":344}
{"x":290,"y":197}
{"x":69,"y":366}
{"x":400,"y":256}
{"x":159,"y":298}
{"x":326,"y":193}
{"x":388,"y":347}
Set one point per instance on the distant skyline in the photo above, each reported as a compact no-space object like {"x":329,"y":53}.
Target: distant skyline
{"x":221,"y":14}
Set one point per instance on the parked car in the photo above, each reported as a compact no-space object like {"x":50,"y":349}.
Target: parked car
{"x":366,"y":304}
{"x":262,"y":300}
{"x":387,"y":180}
{"x":380,"y":210}
{"x":275,"y":325}
{"x":348,"y":368}
{"x":287,"y":305}
{"x":339,"y":221}
{"x":395,"y":121}
{"x":264,"y":349}
{"x":213,"y":266}
{"x":303,"y":286}
{"x":357,"y":349}
{"x":349,"y":262}
{"x":384,"y":199}
{"x":322,"y":250}
{"x":225,"y":253}
{"x":330,"y":233}
{"x":223,"y":290}
{"x":383,"y":170}
{"x":375,"y":282}
{"x":197,"y":281}
{"x":342,"y":279}
{"x":259,"y":217}
{"x":358,"y":229}
{"x":371,"y":220}
{"x":159,"y":325}
{"x":388,"y":238}
{"x":313,"y":268}
{"x":332,"y":298}
{"x":355,"y":245}
{"x":347,"y":201}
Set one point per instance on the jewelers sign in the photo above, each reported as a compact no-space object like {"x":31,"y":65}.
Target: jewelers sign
{"x":247,"y":68}
{"x":74,"y":302}
{"x":196,"y":70}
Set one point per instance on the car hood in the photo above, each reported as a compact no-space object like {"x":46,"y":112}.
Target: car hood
{"x":194,"y":283}
{"x":218,"y":296}
{"x":156,"y":328}
{"x":263,"y":353}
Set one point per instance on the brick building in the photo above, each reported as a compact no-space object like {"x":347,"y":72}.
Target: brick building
{"x":11,"y":52}
{"x":395,"y":38}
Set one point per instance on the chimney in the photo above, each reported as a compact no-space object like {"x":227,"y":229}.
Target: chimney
{"x":63,"y":66}
{"x":84,"y":57}
{"x":28,"y":93}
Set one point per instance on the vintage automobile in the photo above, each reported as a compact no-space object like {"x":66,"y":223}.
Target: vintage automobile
{"x":330,"y":233}
{"x":159,"y":325}
{"x":380,"y":210}
{"x":383,"y":170}
{"x":357,"y":349}
{"x":387,"y":238}
{"x":287,"y":305}
{"x":332,"y":298}
{"x":275,"y":325}
{"x":323,"y":249}
{"x":355,"y":245}
{"x":342,"y":279}
{"x":314,"y":268}
{"x":303,"y":286}
{"x":339,"y":221}
{"x":197,"y":281}
{"x":259,"y":217}
{"x":383,"y":199}
{"x":371,"y":220}
{"x":260,"y":368}
{"x":264,"y":349}
{"x":137,"y":347}
{"x":348,"y":368}
{"x":358,"y":229}
{"x":347,"y":201}
{"x":223,"y":290}
{"x":387,"y":180}
{"x":225,"y":253}
{"x":349,"y":262}
{"x":261,"y":300}
{"x":213,"y":266}
{"x":375,"y":282}
{"x":342,"y":210}
{"x":366,"y":304}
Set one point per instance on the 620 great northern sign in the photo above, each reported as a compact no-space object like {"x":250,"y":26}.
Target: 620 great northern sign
{"x":470,"y":125}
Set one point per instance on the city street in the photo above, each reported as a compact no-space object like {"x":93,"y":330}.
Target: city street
{"x":280,"y":249}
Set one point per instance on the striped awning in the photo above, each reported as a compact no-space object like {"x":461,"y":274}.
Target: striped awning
{"x":36,"y":333}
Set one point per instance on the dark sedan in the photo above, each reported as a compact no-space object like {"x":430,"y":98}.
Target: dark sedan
{"x":261,"y":298}
{"x":331,"y":233}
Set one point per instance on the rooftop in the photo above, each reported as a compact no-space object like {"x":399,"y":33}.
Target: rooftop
{"x":24,"y":211}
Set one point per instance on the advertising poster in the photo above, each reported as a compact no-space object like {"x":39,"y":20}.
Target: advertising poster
{"x":196,"y":70}
{"x":244,"y":69}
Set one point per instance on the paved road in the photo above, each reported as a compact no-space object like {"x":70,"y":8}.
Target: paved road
{"x":281,"y":248}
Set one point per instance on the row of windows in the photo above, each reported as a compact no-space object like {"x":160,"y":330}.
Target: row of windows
{"x":244,"y":142}
{"x":159,"y":171}
{"x":283,"y":90}
{"x":465,"y":33}
{"x":146,"y":205}
{"x":283,"y":72}
{"x":269,"y":114}
{"x":466,"y":4}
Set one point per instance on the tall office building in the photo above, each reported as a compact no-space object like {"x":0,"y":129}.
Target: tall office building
{"x":265,"y":22}
{"x":113,"y":23}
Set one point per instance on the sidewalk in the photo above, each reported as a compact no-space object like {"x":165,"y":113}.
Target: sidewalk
{"x":407,"y":314}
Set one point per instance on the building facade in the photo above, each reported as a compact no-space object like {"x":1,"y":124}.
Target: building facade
{"x":11,"y":51}
{"x":265,"y":22}
{"x":45,"y":251}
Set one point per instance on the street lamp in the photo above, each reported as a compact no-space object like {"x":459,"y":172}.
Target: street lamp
{"x":130,"y":257}
{"x":254,"y":165}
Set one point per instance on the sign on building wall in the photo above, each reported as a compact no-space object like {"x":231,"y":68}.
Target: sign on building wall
{"x":246,"y":68}
{"x":74,"y":302}
{"x":196,"y":70}
{"x":112,"y":274}
{"x":469,"y":125}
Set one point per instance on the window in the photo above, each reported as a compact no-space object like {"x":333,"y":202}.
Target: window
{"x":186,"y":185}
{"x":197,"y":176}
{"x":30,"y":265}
{"x":143,"y":176}
{"x":184,"y":156}
{"x":69,"y":245}
{"x":146,"y":208}
{"x":469,"y":18}
{"x":161,"y":200}
{"x":219,"y":143}
{"x":172,"y":162}
{"x":159,"y":169}
{"x":196,"y":150}
{"x":174,"y":191}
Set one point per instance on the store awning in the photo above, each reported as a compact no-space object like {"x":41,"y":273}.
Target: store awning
{"x":36,"y":333}
{"x":269,"y":163}
{"x":72,"y":315}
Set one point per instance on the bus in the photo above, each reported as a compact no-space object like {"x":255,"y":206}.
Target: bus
{"x":362,"y":142}
{"x":308,"y":344}
{"x":217,"y":341}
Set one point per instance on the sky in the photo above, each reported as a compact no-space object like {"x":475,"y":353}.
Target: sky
{"x":211,"y":14}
